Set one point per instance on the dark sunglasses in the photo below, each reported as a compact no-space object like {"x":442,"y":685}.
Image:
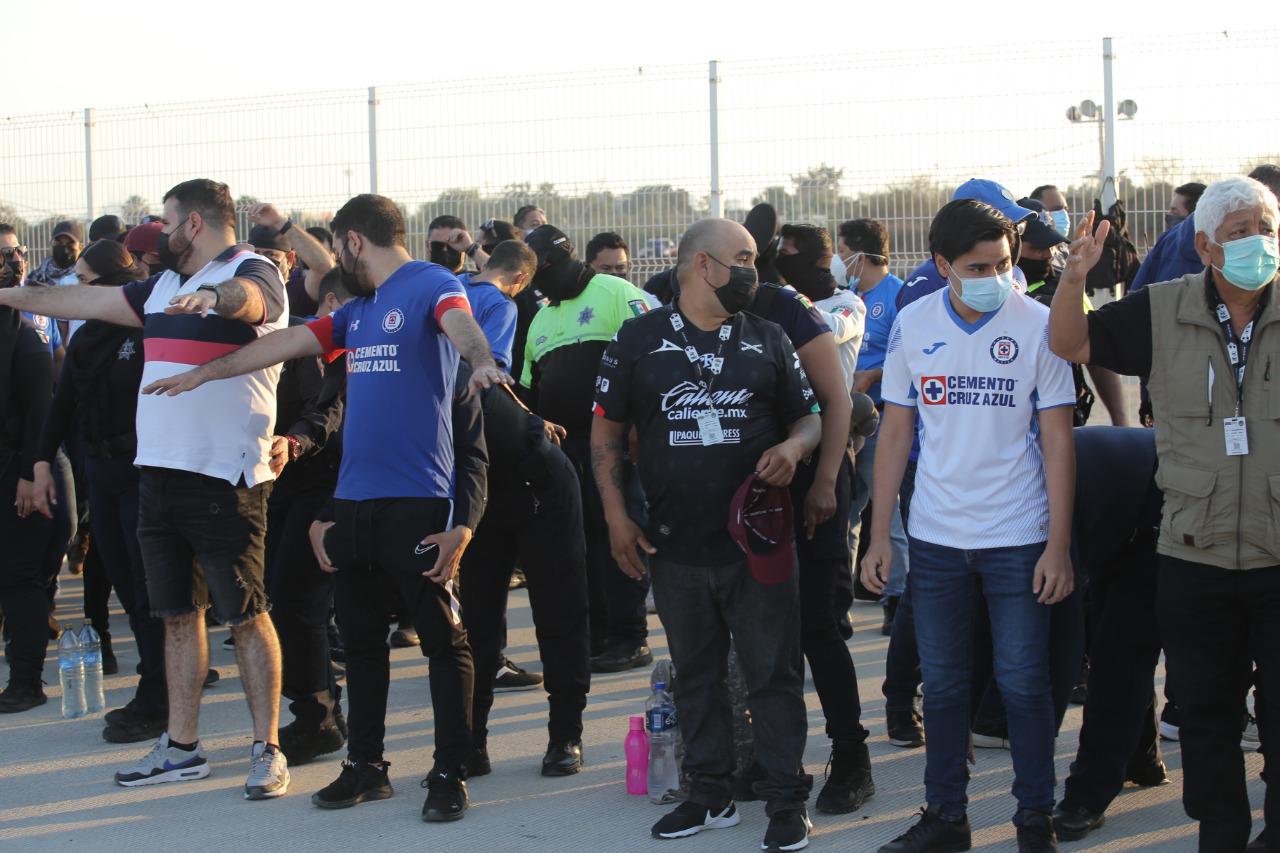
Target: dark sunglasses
{"x":10,"y":251}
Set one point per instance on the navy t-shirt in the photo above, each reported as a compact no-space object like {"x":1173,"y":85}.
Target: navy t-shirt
{"x":398,"y":434}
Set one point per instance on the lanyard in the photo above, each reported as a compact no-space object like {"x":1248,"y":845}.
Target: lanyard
{"x":1237,"y":346}
{"x":717,"y":362}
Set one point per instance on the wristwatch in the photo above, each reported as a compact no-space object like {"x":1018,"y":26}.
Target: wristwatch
{"x":471,"y":250}
{"x":288,"y":223}
{"x":212,"y":288}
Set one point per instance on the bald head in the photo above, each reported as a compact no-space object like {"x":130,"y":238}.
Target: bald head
{"x":723,"y":239}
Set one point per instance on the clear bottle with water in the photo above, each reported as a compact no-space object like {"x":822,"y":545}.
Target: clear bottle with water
{"x":71,"y":675}
{"x":91,"y":654}
{"x":664,"y":766}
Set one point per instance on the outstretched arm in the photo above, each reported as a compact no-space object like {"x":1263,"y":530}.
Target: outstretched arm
{"x":466,"y":335}
{"x":73,"y":302}
{"x":267,"y":350}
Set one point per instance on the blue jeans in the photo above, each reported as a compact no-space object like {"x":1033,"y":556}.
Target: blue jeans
{"x":945,"y":589}
{"x":862,"y":484}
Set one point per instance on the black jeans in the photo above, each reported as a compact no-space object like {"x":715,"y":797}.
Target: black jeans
{"x":1215,"y":624}
{"x":823,"y":562}
{"x":1119,"y":717}
{"x":301,"y":599}
{"x":701,"y":607}
{"x":618,"y":618}
{"x":65,"y":522}
{"x":24,"y":583}
{"x":373,"y":544}
{"x":113,"y":504}
{"x":542,"y":530}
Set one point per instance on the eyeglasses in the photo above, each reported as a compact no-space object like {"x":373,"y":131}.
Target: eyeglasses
{"x":10,"y":251}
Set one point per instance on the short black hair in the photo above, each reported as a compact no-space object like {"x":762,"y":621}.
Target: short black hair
{"x":1191,"y":192}
{"x":6,"y":228}
{"x":446,"y":221}
{"x":868,"y":236}
{"x":606,"y":240}
{"x":1268,"y":174}
{"x":1038,"y":192}
{"x":210,"y":199}
{"x":331,"y":282}
{"x":964,"y":223}
{"x":808,"y":238}
{"x":375,"y":217}
{"x":513,"y":256}
{"x":322,"y":234}
{"x":523,"y":212}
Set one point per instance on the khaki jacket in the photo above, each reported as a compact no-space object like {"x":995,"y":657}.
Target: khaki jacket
{"x":1219,"y":510}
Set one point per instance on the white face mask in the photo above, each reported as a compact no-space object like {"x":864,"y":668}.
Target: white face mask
{"x":839,"y":271}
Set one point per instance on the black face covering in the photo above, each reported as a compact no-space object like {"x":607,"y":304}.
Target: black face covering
{"x":562,"y":278}
{"x":63,"y":255}
{"x":804,"y":272}
{"x":171,"y":257}
{"x":737,"y":293}
{"x":1034,"y":270}
{"x":446,"y":256}
{"x":11,"y":273}
{"x":350,"y":281}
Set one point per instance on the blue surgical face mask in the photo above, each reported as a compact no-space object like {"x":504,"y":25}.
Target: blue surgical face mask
{"x":1250,"y":262}
{"x":1061,"y":222}
{"x":987,"y":293}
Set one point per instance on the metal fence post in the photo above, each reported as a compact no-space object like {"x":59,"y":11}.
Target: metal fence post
{"x":88,"y":163}
{"x":1109,"y":125}
{"x":715,"y":141}
{"x":373,"y":139}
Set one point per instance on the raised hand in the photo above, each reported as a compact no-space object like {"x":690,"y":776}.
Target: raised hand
{"x":1087,"y":247}
{"x":267,"y":214}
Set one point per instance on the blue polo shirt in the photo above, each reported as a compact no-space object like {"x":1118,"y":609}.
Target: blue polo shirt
{"x":882,"y":310}
{"x":398,"y":433}
{"x":495,"y":314}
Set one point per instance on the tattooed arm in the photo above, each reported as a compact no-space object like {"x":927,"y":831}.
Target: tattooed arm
{"x":608,"y":443}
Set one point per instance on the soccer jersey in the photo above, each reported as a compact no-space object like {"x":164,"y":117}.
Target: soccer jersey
{"x":882,"y":310}
{"x":398,"y":433}
{"x":495,"y":314}
{"x":976,"y":388}
{"x":46,"y":330}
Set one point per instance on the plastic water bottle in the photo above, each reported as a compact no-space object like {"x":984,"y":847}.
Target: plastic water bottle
{"x":71,"y":675}
{"x":91,"y":654}
{"x":637,"y":751}
{"x":664,"y":767}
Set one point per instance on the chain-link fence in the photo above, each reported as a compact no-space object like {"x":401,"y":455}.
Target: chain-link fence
{"x":645,"y":151}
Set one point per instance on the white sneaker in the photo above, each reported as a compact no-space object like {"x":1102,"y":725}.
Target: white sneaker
{"x":268,"y":774}
{"x":164,"y":764}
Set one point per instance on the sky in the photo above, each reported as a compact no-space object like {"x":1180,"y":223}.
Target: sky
{"x":79,"y":53}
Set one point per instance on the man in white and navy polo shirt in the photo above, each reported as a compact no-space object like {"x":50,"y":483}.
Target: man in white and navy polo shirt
{"x":991,"y":515}
{"x":206,"y":468}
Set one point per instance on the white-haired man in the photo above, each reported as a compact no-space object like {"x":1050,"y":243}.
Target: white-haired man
{"x":1206,"y":341}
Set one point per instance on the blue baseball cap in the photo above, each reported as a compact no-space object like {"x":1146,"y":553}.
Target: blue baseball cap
{"x":989,"y":192}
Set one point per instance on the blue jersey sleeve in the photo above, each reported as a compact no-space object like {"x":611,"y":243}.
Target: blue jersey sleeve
{"x":498,"y":323}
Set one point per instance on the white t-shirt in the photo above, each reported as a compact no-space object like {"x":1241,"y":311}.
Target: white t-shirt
{"x":980,"y":481}
{"x":846,"y":315}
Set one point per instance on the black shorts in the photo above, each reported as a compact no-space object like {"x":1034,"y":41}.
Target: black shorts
{"x":202,"y":543}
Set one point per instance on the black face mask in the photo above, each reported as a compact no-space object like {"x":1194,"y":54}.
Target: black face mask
{"x":1172,"y":219}
{"x":562,"y":278}
{"x":803,"y":272}
{"x":446,"y":256}
{"x":351,"y":281}
{"x":1034,"y":270}
{"x":63,"y":255}
{"x":737,"y":293}
{"x":11,"y":273}
{"x":171,"y":258}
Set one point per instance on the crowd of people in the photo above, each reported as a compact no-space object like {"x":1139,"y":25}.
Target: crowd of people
{"x":329,"y":447}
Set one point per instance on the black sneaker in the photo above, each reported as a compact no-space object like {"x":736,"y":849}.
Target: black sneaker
{"x":211,"y":678}
{"x":906,"y":728}
{"x":478,"y":764}
{"x":1146,"y":775}
{"x":932,"y":834}
{"x":1035,"y":834}
{"x":512,"y":679}
{"x":562,"y":759}
{"x":357,"y":783}
{"x":990,"y":736}
{"x":21,"y":697}
{"x":404,"y":637}
{"x":690,"y":818}
{"x":788,"y":830}
{"x":128,"y":727}
{"x":303,"y":745}
{"x":849,"y":782}
{"x":622,"y":658}
{"x":1072,"y":822}
{"x":446,"y":796}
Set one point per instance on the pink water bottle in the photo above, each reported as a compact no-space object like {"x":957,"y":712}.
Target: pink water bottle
{"x":637,"y":749}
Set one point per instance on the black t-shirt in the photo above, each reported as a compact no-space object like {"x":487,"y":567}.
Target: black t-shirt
{"x":647,"y":380}
{"x":792,"y":311}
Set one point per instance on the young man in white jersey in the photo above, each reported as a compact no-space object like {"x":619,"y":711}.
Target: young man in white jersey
{"x":991,"y":514}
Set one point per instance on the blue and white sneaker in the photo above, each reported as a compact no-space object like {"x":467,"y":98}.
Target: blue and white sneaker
{"x":268,"y":774}
{"x":165,"y":764}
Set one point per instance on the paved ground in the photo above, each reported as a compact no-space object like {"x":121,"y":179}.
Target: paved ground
{"x":56,"y":791}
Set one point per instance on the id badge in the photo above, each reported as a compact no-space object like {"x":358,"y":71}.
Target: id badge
{"x":1237,"y":436}
{"x":709,"y":426}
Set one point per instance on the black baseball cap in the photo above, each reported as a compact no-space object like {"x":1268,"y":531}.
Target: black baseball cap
{"x":1039,"y":231}
{"x":109,"y":227}
{"x":545,"y":239}
{"x":69,"y":227}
